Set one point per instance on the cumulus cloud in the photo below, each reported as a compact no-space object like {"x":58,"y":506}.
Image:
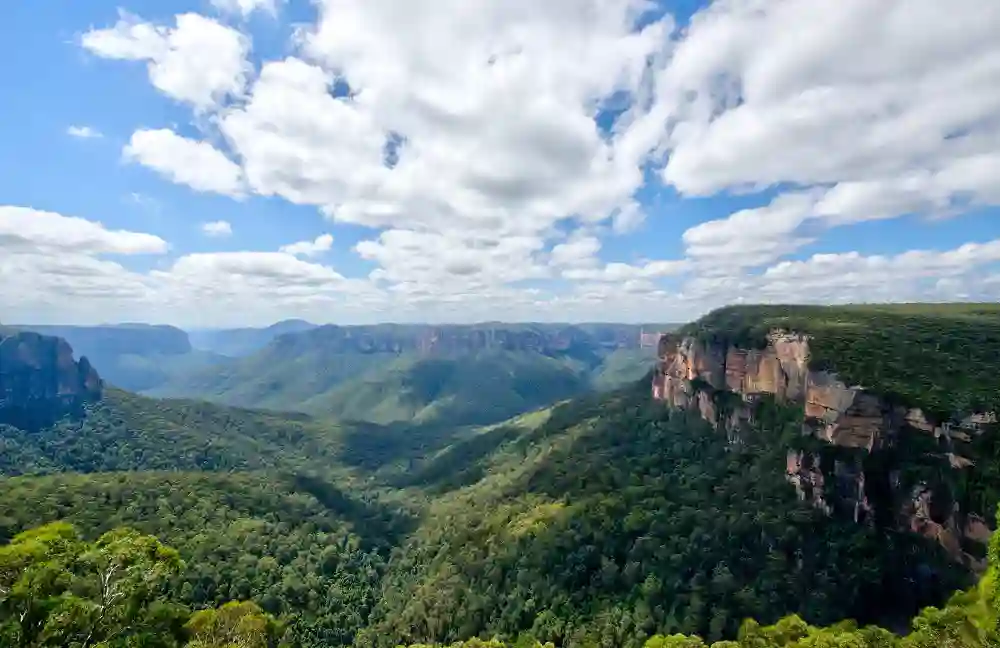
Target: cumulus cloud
{"x":246,"y":7}
{"x":83,"y":132}
{"x":495,"y":148}
{"x":217,"y":229}
{"x":26,"y":229}
{"x":199,"y":61}
{"x":317,"y":246}
{"x":194,"y":163}
{"x":624,"y":272}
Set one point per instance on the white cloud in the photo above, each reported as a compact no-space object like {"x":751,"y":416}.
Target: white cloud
{"x":217,"y":229}
{"x":751,"y":237}
{"x":57,"y":265}
{"x":579,"y":251}
{"x":197,"y":164}
{"x":470,"y":142}
{"x":246,"y":7}
{"x":317,"y":246}
{"x":436,"y":263}
{"x":833,"y":91}
{"x":200,"y":61}
{"x":624,"y":272}
{"x":23,"y":228}
{"x":83,"y":132}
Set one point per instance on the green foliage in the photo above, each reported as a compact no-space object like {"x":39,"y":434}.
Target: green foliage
{"x":939,"y":357}
{"x":128,"y":432}
{"x":384,"y":374}
{"x":238,"y":623}
{"x":616,"y":518}
{"x":242,"y":536}
{"x":57,"y":590}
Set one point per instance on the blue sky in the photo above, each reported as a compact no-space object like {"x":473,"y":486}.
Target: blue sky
{"x":745,"y":158}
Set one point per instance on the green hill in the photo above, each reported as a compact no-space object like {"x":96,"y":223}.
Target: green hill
{"x":445,"y":375}
{"x":614,"y":517}
{"x":939,"y":357}
{"x":127,"y":432}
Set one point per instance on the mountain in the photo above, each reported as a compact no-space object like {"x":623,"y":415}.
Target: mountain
{"x":132,"y":356}
{"x":898,"y":406}
{"x":244,"y":341}
{"x":669,"y":505}
{"x":426,"y":374}
{"x":40,"y":382}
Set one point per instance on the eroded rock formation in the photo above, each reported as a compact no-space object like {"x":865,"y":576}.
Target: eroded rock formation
{"x":40,"y":382}
{"x":725,"y":384}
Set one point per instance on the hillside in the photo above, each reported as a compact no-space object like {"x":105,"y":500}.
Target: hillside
{"x":241,"y":536}
{"x":656,"y":524}
{"x":898,"y":405}
{"x":452,"y":375}
{"x":124,"y":431}
{"x":604,"y":520}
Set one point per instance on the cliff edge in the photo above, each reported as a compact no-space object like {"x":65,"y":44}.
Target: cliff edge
{"x":861,"y":450}
{"x":40,"y":382}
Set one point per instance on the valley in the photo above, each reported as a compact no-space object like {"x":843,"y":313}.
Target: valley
{"x":661,"y":505}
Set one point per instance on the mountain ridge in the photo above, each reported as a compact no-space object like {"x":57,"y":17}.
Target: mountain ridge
{"x":389,"y":373}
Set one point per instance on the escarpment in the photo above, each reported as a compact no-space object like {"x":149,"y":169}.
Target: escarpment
{"x":858,"y":452}
{"x":40,"y":382}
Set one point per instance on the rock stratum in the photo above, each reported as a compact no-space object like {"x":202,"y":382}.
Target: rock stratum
{"x":40,"y":382}
{"x":857,"y":450}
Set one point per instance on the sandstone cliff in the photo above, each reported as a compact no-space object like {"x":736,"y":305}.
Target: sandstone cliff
{"x":725,"y":383}
{"x":40,"y":382}
{"x":463,"y":339}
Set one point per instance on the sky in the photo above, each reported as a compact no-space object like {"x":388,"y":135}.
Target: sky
{"x":236,"y":162}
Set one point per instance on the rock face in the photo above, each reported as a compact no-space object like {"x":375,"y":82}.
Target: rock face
{"x":456,"y":339}
{"x":40,"y":382}
{"x":725,"y":383}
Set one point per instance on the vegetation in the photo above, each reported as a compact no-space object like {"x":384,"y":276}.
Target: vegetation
{"x":608,"y":520}
{"x":128,"y":432}
{"x":604,"y":525}
{"x":246,"y":536}
{"x":383,"y":374}
{"x":57,"y":589}
{"x":939,"y":357}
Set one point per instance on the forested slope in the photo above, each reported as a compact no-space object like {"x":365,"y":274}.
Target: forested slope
{"x":124,"y":431}
{"x":448,"y":375}
{"x":242,"y":536}
{"x":609,"y":520}
{"x":617,"y":518}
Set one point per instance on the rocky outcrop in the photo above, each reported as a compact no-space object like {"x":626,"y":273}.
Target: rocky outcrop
{"x":725,"y":383}
{"x":40,"y":382}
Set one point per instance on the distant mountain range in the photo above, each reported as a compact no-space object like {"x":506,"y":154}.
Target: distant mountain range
{"x":386,"y":373}
{"x":428,"y":374}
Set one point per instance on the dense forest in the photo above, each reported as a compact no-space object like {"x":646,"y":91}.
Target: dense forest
{"x":600,"y":522}
{"x":446,"y":375}
{"x":608,"y":520}
{"x":58,"y":589}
